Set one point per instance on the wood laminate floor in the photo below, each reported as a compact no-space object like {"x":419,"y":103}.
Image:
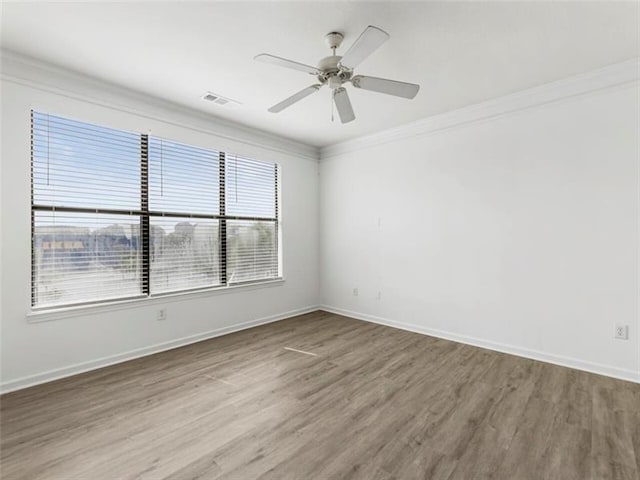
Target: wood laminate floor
{"x":366,"y":402}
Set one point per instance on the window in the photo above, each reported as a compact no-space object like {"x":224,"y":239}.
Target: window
{"x":184,"y":216}
{"x":251,"y":229}
{"x":120,"y":214}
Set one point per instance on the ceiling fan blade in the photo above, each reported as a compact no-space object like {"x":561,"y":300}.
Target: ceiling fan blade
{"x":367,"y":43}
{"x":343,"y":104}
{"x":382,"y":85}
{"x":287,"y":102}
{"x":283,"y":62}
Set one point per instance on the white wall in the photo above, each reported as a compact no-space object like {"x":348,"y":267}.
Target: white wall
{"x":35,"y":350}
{"x":519,"y":233}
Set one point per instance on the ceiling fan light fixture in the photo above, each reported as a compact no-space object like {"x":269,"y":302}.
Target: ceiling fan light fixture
{"x":334,"y":82}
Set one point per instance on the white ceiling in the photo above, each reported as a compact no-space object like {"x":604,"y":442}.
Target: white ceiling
{"x":461,"y":53}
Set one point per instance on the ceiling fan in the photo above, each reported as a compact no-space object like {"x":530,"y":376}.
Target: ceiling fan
{"x":336,"y":70}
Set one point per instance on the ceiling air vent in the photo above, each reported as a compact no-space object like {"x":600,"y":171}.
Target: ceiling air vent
{"x":219,"y":99}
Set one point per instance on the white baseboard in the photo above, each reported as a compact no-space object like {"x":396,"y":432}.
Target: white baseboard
{"x":50,"y":375}
{"x":75,"y":369}
{"x":615,"y":372}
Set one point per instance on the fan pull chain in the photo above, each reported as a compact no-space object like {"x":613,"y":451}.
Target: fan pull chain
{"x":331,"y":98}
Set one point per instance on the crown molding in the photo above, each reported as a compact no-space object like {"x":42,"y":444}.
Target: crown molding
{"x":622,"y":74}
{"x":35,"y":73}
{"x":45,"y":76}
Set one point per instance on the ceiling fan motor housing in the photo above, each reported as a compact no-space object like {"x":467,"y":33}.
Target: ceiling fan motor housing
{"x":329,"y":64}
{"x":331,"y":71}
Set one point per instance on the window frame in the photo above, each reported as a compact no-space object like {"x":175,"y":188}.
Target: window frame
{"x":145,"y":215}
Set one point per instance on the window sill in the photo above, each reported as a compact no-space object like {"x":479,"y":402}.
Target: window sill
{"x":37,"y":316}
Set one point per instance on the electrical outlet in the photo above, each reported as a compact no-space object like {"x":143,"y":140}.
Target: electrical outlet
{"x":161,"y":314}
{"x":355,"y":291}
{"x":622,"y":332}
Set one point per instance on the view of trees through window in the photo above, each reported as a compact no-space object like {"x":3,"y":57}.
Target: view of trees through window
{"x":122,"y":215}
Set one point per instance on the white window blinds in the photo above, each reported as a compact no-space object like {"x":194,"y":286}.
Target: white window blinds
{"x":119,"y":214}
{"x":252,"y":229}
{"x":184,"y":209}
{"x":85,"y":216}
